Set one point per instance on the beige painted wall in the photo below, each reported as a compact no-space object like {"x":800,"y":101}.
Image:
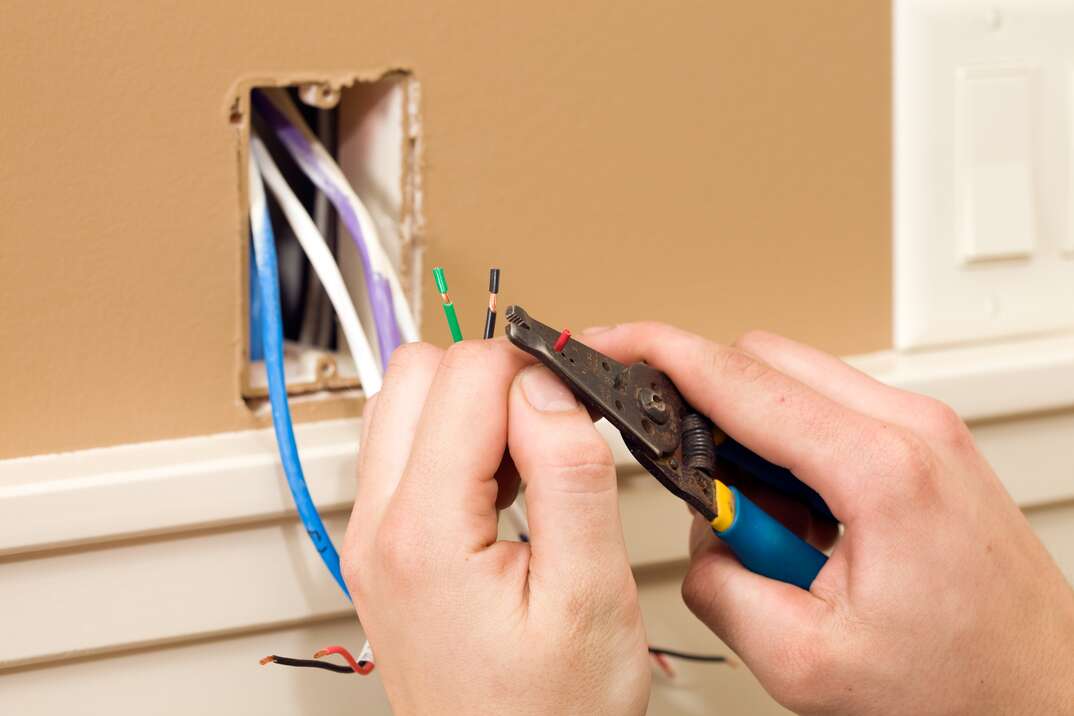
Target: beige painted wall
{"x":718,"y":165}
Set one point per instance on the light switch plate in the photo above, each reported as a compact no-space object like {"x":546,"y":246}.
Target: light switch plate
{"x":984,"y":172}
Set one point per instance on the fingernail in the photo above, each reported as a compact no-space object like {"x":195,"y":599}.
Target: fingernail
{"x":545,"y":392}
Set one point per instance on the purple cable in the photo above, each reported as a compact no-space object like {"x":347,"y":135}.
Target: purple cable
{"x":377,"y":285}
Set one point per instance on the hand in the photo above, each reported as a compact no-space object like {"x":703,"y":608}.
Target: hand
{"x":938,"y":598}
{"x":462,"y":623}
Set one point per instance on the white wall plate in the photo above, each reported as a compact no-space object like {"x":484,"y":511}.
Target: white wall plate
{"x":982,"y":158}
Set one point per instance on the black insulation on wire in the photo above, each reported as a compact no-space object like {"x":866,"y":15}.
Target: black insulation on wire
{"x":311,"y":663}
{"x":341,"y":669}
{"x":687,"y":656}
{"x":490,"y":313}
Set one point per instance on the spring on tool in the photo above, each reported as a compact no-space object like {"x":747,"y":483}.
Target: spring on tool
{"x":698,"y":450}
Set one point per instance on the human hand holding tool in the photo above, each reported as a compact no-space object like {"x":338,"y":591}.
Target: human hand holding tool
{"x":461,"y":622}
{"x":679,"y":447}
{"x":938,"y":597}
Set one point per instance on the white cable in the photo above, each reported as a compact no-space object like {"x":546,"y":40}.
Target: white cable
{"x":518,"y":516}
{"x":327,"y":166}
{"x":324,"y":264}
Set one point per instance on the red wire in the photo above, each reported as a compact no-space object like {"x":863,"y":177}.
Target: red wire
{"x":360,"y":667}
{"x":562,"y":340}
{"x":664,"y":664}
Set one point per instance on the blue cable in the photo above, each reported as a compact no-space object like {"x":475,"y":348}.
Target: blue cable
{"x":272,"y":346}
{"x":255,"y":312}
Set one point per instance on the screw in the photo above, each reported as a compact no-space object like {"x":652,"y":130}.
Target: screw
{"x":654,"y":406}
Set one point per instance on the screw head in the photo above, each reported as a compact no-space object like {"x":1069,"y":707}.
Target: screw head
{"x":652,"y":403}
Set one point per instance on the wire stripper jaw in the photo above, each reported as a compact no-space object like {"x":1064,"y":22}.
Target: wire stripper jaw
{"x":640,"y":401}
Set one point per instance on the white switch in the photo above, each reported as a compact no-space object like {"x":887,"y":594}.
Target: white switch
{"x":997,"y":202}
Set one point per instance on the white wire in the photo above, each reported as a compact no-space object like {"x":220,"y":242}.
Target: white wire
{"x":327,"y":165}
{"x":324,"y":264}
{"x":518,"y":516}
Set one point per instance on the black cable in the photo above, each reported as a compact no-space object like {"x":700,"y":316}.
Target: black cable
{"x":711,"y":658}
{"x":341,"y":669}
{"x":490,"y":313}
{"x":307,"y":663}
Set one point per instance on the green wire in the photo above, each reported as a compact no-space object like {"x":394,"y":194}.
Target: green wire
{"x":453,"y":322}
{"x":449,"y":307}
{"x":441,"y":281}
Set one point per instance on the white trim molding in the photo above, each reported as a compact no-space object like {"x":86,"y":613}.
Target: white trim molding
{"x":986,"y":381}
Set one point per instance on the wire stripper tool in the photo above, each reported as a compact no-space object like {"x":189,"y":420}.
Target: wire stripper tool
{"x":681,"y":448}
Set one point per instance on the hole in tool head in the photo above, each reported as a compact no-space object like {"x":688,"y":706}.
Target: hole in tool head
{"x":618,"y":404}
{"x":604,"y":365}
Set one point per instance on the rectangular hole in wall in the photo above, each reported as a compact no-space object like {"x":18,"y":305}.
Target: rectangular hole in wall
{"x":371,"y":129}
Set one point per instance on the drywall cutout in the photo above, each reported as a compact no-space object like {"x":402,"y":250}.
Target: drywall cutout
{"x":371,"y":128}
{"x":982,"y":159}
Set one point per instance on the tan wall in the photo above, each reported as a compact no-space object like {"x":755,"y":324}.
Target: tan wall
{"x":719,"y":165}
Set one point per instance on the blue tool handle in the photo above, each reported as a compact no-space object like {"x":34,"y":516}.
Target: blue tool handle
{"x":766,"y":547}
{"x":779,"y":478}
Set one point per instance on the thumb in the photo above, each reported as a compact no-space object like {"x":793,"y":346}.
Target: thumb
{"x":569,"y":473}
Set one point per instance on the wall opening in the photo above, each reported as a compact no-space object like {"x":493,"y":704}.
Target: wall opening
{"x":371,"y":129}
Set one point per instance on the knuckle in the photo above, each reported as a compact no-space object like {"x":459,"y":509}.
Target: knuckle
{"x":738,"y":365}
{"x":397,"y":556}
{"x":944,"y":424}
{"x":469,"y":354}
{"x":587,"y":463}
{"x":753,"y":340}
{"x":409,"y":356}
{"x":903,"y":459}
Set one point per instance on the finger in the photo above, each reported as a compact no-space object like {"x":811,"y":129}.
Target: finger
{"x":569,"y":473}
{"x":832,"y":377}
{"x":449,"y":488}
{"x":754,"y":615}
{"x":820,"y":441}
{"x":368,"y":410}
{"x":391,"y":419}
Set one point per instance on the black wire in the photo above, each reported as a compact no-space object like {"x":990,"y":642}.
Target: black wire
{"x":711,"y":658}
{"x":340,"y":669}
{"x":312,"y":664}
{"x":490,"y":315}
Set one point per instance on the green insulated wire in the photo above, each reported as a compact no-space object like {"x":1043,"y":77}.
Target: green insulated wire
{"x":449,"y":307}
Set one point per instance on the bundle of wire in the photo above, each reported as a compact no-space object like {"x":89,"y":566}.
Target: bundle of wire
{"x":324,"y":264}
{"x":392,"y":317}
